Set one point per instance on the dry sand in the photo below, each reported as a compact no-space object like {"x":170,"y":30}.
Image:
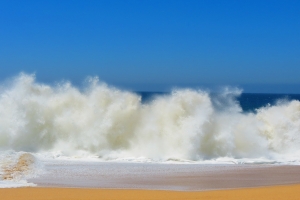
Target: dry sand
{"x":291,"y":192}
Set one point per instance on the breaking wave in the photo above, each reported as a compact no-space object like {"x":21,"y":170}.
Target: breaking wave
{"x":110,"y":123}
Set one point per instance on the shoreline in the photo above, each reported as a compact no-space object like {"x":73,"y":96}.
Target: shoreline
{"x":164,"y":177}
{"x":277,"y":192}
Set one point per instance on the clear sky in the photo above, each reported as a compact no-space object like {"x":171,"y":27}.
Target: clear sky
{"x":154,"y":44}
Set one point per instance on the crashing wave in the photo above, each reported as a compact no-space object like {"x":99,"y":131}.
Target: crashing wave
{"x":112,"y":124}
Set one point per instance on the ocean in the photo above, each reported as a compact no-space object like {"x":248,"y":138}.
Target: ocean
{"x":249,"y":102}
{"x":42,"y":123}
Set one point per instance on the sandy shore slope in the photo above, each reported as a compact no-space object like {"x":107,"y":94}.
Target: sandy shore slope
{"x":144,"y":176}
{"x":290,"y":192}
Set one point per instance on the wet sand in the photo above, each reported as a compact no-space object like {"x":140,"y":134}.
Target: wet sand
{"x":182,"y":177}
{"x":291,"y":192}
{"x":108,"y":180}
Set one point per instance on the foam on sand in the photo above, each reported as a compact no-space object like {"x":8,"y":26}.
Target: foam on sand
{"x":15,"y":168}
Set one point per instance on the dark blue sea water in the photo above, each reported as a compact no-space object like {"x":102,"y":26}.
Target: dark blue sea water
{"x":248,"y":101}
{"x":252,"y":101}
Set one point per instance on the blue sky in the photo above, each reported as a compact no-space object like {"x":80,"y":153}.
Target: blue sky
{"x":154,"y":44}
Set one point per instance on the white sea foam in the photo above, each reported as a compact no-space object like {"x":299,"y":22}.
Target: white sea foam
{"x":102,"y":121}
{"x":16,"y":167}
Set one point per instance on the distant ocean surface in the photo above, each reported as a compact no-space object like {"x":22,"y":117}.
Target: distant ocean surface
{"x":248,"y":101}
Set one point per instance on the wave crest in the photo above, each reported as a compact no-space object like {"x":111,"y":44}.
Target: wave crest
{"x":101,"y":120}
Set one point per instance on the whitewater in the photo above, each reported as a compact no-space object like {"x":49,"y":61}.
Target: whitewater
{"x":102,"y":123}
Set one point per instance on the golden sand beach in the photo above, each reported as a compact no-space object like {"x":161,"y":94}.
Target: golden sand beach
{"x":157,"y":181}
{"x":287,"y":192}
